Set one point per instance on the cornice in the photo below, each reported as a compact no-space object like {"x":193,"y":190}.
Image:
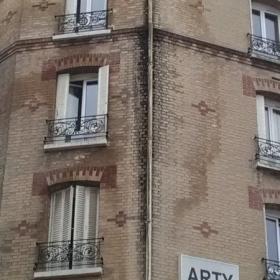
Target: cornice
{"x":215,"y":50}
{"x":160,"y":36}
{"x":47,"y":43}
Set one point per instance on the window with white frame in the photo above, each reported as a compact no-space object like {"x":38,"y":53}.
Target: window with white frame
{"x":81,"y":110}
{"x":265,"y":21}
{"x":84,"y":6}
{"x":268,"y":113}
{"x":268,"y":140}
{"x":82,"y":95}
{"x":273,"y":235}
{"x":73,"y":227}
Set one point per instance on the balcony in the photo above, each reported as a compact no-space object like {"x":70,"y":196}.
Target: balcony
{"x":76,"y":132}
{"x":264,"y":48}
{"x":267,"y":153}
{"x":272,"y":269}
{"x":69,"y":258}
{"x":82,"y":24}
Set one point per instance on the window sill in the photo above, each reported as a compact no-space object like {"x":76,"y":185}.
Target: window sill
{"x":78,"y":143}
{"x":68,"y":273}
{"x":267,"y":57}
{"x":81,"y":34}
{"x":273,"y":165}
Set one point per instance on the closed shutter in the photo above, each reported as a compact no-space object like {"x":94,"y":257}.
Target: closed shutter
{"x":103,"y":89}
{"x":79,"y":213}
{"x":71,"y":7}
{"x":91,"y":213}
{"x":60,"y":225}
{"x":62,"y":95}
{"x":61,"y":213}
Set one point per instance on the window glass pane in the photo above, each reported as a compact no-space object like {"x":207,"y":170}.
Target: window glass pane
{"x":272,"y":245}
{"x":271,"y":25}
{"x":98,"y":5}
{"x":84,"y":7}
{"x":267,"y":122}
{"x":74,"y":100}
{"x":257,"y":29}
{"x":91,"y":99}
{"x":276,"y":125}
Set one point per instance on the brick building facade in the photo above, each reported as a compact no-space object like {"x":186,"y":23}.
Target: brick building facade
{"x":216,"y":137}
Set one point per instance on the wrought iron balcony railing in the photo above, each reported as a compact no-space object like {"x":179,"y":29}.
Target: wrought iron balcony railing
{"x":73,"y":23}
{"x":272,"y":269}
{"x":267,"y":150}
{"x":264,"y":46}
{"x":67,"y":255}
{"x":70,"y":129}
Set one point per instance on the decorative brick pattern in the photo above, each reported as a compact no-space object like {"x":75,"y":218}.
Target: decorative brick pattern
{"x":121,"y":218}
{"x":9,"y":17}
{"x":106,"y":176}
{"x":33,"y":104}
{"x":205,"y":229}
{"x":199,"y":5}
{"x":43,"y":5}
{"x":25,"y":228}
{"x":203,"y":108}
{"x":52,"y":67}
{"x":260,"y":196}
{"x":253,"y":85}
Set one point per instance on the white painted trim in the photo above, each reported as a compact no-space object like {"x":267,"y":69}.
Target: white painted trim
{"x":77,"y":143}
{"x":268,"y":165}
{"x":81,"y":34}
{"x":68,"y":273}
{"x":260,"y":116}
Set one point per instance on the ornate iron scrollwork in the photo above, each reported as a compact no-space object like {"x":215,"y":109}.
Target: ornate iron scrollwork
{"x":264,"y":46}
{"x":272,"y":269}
{"x":268,"y":150}
{"x":90,"y":21}
{"x":76,"y":128}
{"x":69,"y":254}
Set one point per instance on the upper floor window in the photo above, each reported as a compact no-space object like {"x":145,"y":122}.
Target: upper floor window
{"x":268,"y":141}
{"x":73,"y":246}
{"x":90,"y":16}
{"x":81,"y":110}
{"x":265,"y":28}
{"x":272,"y":260}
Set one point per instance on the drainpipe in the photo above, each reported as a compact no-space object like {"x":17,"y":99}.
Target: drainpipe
{"x":150,"y":144}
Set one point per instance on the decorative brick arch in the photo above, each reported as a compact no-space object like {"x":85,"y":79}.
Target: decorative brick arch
{"x":105,"y":176}
{"x":260,"y":196}
{"x":253,"y":85}
{"x":54,"y":66}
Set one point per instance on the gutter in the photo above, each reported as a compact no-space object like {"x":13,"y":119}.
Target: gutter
{"x":150,"y":145}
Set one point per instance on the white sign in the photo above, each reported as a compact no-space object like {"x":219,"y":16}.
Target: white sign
{"x":192,"y":268}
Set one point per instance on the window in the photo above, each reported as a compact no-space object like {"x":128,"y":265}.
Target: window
{"x":73,"y":247}
{"x":273,"y":235}
{"x":265,"y":25}
{"x":268,"y":141}
{"x":265,"y":29}
{"x":84,"y":6}
{"x":81,"y":110}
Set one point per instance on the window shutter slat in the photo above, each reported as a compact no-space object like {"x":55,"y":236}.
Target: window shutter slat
{"x":103,"y":88}
{"x":91,"y":224}
{"x":79,"y":213}
{"x":61,"y":95}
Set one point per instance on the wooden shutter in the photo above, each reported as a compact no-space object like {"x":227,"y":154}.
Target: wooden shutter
{"x":91,"y":213}
{"x":61,"y":213}
{"x":79,"y":213}
{"x":103,"y":89}
{"x":71,"y":7}
{"x":61,"y":95}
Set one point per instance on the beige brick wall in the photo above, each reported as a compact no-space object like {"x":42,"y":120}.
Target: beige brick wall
{"x":24,"y":210}
{"x":219,"y":22}
{"x":205,"y":161}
